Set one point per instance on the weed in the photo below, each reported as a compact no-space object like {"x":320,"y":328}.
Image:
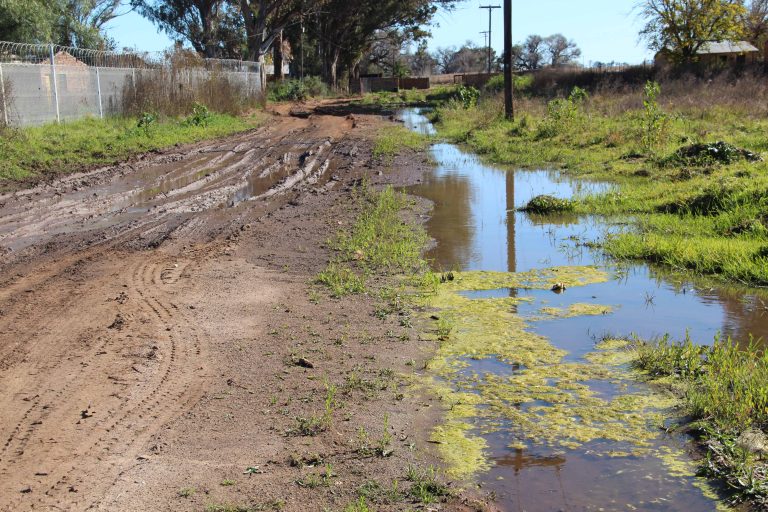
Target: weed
{"x":273,"y":505}
{"x":341,"y":280}
{"x":147,"y":121}
{"x":315,"y":480}
{"x":425,"y":486}
{"x":186,"y":492}
{"x":654,"y":120}
{"x":375,"y":492}
{"x":358,"y":506}
{"x":200,"y":116}
{"x":445,"y":327}
{"x":228,"y":483}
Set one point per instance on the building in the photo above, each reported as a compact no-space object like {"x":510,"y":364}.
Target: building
{"x":718,"y":53}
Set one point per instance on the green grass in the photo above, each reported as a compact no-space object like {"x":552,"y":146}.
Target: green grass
{"x":725,"y":392}
{"x":702,"y":208}
{"x":34,"y":153}
{"x":391,"y":140}
{"x":380,"y":242}
{"x":385,"y":99}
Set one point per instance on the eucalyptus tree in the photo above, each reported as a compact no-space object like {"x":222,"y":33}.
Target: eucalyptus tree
{"x":214,"y":28}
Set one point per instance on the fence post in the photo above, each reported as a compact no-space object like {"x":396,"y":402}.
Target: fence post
{"x":98,"y":88}
{"x":5,"y":104}
{"x":55,"y":85}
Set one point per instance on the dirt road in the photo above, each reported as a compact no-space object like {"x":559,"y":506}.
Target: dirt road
{"x":159,"y":339}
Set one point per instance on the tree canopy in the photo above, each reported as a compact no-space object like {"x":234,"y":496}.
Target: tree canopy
{"x":214,"y":28}
{"x":77,"y":23}
{"x":682,"y":27}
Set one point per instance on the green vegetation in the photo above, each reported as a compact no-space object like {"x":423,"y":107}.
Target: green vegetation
{"x":548,"y":204}
{"x":297,"y":90}
{"x":379,"y":242}
{"x":41,"y":152}
{"x":385,"y":99}
{"x":724,"y":389}
{"x":392,"y":139}
{"x":685,"y":165}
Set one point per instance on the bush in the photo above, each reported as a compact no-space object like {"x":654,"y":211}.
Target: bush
{"x":564,"y":114}
{"x":200,"y":116}
{"x":548,"y":204}
{"x":495,"y":84}
{"x":297,"y":90}
{"x":468,"y":96}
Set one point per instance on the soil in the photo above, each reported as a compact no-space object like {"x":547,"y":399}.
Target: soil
{"x":160,"y":335}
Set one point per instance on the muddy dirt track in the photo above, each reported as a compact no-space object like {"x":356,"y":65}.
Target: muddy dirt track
{"x":152,"y":315}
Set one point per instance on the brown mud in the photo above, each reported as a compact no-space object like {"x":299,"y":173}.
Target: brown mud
{"x":159,"y":335}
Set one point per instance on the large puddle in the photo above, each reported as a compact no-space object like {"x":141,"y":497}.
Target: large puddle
{"x":478,"y":228}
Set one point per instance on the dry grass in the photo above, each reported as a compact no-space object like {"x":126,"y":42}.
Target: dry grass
{"x":745,"y":93}
{"x":174,"y":90}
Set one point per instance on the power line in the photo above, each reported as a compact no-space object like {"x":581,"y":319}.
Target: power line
{"x":490,"y":29}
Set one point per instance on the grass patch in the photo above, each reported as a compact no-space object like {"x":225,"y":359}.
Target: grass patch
{"x":391,"y":140}
{"x":725,"y":392}
{"x":41,"y":152}
{"x":544,"y":204}
{"x":689,"y":172}
{"x":380,"y":242}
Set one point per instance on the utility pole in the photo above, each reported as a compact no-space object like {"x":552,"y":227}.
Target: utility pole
{"x":490,"y":29}
{"x":485,"y":37}
{"x":509,"y":106}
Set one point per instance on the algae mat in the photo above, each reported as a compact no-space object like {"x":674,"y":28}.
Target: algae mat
{"x":533,"y":394}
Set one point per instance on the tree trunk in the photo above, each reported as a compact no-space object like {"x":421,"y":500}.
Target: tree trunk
{"x":279,"y":57}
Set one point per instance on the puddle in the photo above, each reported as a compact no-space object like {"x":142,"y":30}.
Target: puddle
{"x":478,"y":228}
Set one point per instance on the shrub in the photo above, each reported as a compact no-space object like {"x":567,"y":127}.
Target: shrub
{"x":548,"y":204}
{"x":200,"y":116}
{"x":564,"y":114}
{"x":468,"y":96}
{"x":297,"y":90}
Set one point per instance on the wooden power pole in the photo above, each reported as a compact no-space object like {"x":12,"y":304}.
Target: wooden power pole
{"x":490,"y":29}
{"x":509,"y":106}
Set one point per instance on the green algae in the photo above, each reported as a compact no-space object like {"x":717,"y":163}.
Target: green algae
{"x":578,"y":309}
{"x":541,"y":279}
{"x":543,"y":399}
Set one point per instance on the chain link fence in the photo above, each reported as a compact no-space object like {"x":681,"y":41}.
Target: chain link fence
{"x":48,"y":83}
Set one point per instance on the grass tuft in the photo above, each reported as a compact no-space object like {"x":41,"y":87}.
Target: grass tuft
{"x":724,"y":389}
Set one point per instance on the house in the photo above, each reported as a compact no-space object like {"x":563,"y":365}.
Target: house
{"x":718,"y":53}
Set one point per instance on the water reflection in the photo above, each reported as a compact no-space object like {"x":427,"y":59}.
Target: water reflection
{"x":477,"y":227}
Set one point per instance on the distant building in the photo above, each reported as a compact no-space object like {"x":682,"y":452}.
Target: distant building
{"x":718,"y":53}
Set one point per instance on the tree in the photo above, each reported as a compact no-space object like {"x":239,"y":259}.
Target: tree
{"x":422,"y":63}
{"x":529,"y":56}
{"x":470,"y":58}
{"x":27,"y":21}
{"x":561,"y":51}
{"x":756,"y":22}
{"x":214,"y":28}
{"x":66,"y":22}
{"x":80,"y":23}
{"x":682,"y":27}
{"x":344,"y":32}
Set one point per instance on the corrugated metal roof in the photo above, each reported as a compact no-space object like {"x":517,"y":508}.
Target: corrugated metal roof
{"x":718,"y":47}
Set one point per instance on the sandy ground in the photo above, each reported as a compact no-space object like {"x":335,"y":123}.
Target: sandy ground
{"x":157,"y":324}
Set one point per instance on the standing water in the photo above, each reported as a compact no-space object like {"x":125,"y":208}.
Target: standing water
{"x":478,"y":228}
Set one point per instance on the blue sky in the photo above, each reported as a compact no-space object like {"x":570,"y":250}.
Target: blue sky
{"x":605,"y":30}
